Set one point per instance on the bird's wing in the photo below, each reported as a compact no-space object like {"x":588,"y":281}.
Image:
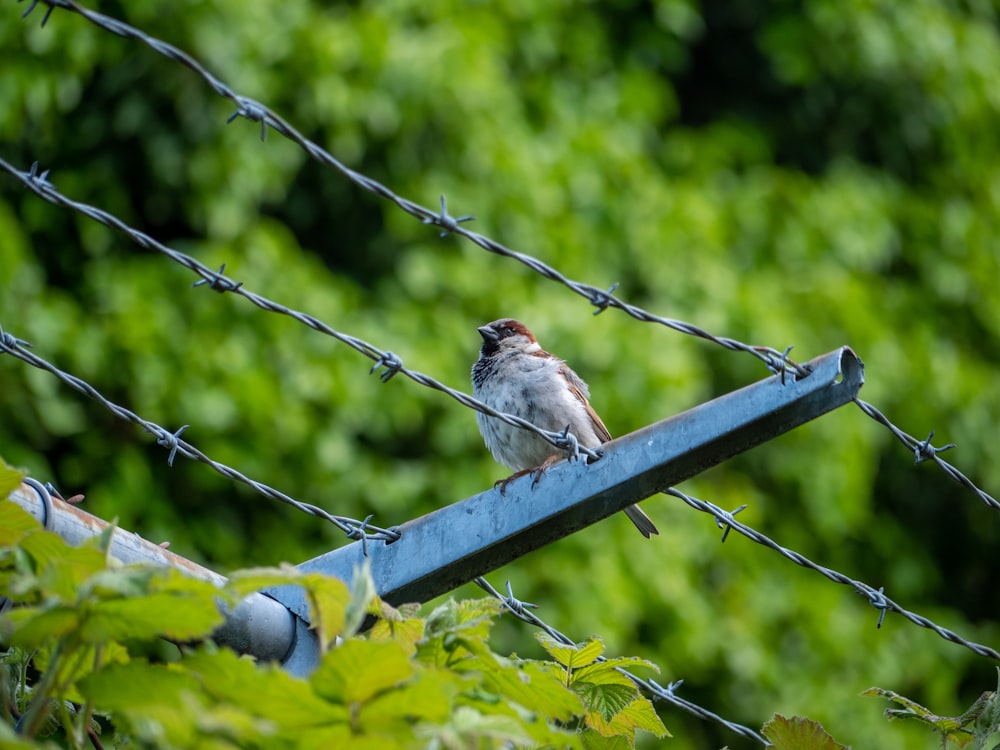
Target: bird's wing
{"x":579,"y":389}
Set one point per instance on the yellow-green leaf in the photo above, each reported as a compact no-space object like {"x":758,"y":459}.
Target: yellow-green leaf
{"x":357,"y":670}
{"x":179,"y":618}
{"x":264,"y":690}
{"x":31,"y":627}
{"x":15,"y":521}
{"x":536,"y":687}
{"x":362,"y":594}
{"x":10,"y":479}
{"x":575,"y":656}
{"x":244,"y":582}
{"x":798,"y":733}
{"x":639,"y":714}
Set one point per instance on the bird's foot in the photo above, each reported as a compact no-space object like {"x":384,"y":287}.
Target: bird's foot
{"x":502,"y":483}
{"x":536,"y":474}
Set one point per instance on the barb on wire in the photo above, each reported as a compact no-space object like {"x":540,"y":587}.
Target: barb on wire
{"x":172,"y":441}
{"x":924,"y":451}
{"x":776,"y":361}
{"x":40,"y":186}
{"x":520,"y":610}
{"x":876,"y":597}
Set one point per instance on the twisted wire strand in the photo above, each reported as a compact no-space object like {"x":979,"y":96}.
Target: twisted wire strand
{"x":520,"y":610}
{"x":171,"y":440}
{"x":389,"y":363}
{"x":776,"y":361}
{"x":924,"y":451}
{"x":876,"y":597}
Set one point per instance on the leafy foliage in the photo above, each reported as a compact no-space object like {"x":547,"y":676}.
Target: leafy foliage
{"x":817,"y":174}
{"x":612,"y":701}
{"x":87,"y":627}
{"x":798,"y":733}
{"x":978,"y":726}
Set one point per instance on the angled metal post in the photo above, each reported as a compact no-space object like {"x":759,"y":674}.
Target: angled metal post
{"x":258,"y":625}
{"x":453,"y":545}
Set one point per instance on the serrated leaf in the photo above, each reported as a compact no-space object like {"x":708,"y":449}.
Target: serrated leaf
{"x":456,"y":630}
{"x":574,"y":656}
{"x":264,"y":690}
{"x":639,"y":714}
{"x":607,"y":671}
{"x":535,"y":686}
{"x":593,"y":740}
{"x":10,"y":479}
{"x":407,"y":633}
{"x":15,"y":522}
{"x":473,"y":617}
{"x":137,"y":685}
{"x":162,"y":705}
{"x":33,"y":627}
{"x":798,"y":733}
{"x":606,"y":699}
{"x":468,"y":727}
{"x":357,"y":670}
{"x":242,"y":583}
{"x":428,"y":698}
{"x":328,"y":602}
{"x":133,"y":580}
{"x":178,"y":618}
{"x":61,"y":569}
{"x":362,"y":593}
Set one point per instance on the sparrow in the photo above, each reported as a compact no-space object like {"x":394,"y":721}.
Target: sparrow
{"x":516,"y":376}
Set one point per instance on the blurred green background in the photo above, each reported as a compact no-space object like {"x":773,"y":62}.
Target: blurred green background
{"x":816,"y":174}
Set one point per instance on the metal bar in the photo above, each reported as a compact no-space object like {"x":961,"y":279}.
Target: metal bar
{"x":258,"y":625}
{"x":453,"y":545}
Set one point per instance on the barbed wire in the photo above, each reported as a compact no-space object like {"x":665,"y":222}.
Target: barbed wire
{"x":520,"y":610}
{"x":355,"y":530}
{"x":776,"y":361}
{"x":389,"y":363}
{"x":876,"y":597}
{"x":924,"y":451}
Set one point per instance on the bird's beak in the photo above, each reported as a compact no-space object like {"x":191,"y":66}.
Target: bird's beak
{"x":488,"y":333}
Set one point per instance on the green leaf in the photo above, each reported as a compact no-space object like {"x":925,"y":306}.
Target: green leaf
{"x":9,"y":740}
{"x":328,"y":597}
{"x":10,"y":480}
{"x":137,"y":685}
{"x":535,"y":686}
{"x":357,"y":670}
{"x":607,"y":671}
{"x":456,"y":630}
{"x":639,"y":714}
{"x":606,"y":699}
{"x":15,"y":522}
{"x":165,"y":706}
{"x":399,"y":625}
{"x":166,"y":615}
{"x":428,"y":698}
{"x":798,"y":733}
{"x":468,"y":727}
{"x":362,"y":594}
{"x":132,"y":580}
{"x":34,"y":627}
{"x":62,"y":569}
{"x":593,"y":740}
{"x":571,"y":657}
{"x":242,"y":583}
{"x":264,"y":690}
